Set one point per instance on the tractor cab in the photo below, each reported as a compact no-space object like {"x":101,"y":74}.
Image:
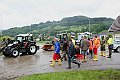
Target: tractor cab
{"x":24,"y":37}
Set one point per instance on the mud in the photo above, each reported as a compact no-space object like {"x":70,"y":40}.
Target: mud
{"x":12,"y":68}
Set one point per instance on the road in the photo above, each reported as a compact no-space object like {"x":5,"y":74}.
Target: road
{"x":11,"y":68}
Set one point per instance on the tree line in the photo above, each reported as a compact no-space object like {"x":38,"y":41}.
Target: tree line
{"x":69,"y":24}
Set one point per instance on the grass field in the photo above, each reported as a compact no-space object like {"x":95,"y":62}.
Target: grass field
{"x":76,"y":75}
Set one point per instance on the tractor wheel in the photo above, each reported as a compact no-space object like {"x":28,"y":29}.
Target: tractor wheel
{"x":15,"y":53}
{"x":32,"y":49}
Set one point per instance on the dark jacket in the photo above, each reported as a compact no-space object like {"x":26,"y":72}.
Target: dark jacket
{"x":77,"y":50}
{"x":65,"y":45}
{"x":71,"y":50}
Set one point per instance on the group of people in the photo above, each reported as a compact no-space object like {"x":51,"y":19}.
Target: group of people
{"x":77,"y":53}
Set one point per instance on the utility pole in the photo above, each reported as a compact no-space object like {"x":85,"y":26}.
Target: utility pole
{"x":89,"y":25}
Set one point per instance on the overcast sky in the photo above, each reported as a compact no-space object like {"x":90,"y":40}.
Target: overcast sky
{"x":18,"y":13}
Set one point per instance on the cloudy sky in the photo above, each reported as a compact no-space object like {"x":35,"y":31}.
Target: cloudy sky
{"x":18,"y":13}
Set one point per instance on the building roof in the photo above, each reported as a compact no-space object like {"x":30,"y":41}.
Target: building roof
{"x":115,"y":25}
{"x":24,"y":35}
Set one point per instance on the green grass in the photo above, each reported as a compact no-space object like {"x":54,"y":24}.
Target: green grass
{"x":76,"y":75}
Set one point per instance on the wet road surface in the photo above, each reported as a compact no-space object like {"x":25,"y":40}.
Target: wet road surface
{"x":11,"y":68}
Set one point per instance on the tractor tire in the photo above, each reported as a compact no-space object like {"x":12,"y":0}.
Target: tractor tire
{"x":14,"y":53}
{"x":32,"y":49}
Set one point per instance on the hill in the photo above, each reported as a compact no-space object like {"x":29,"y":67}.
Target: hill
{"x":68,"y":24}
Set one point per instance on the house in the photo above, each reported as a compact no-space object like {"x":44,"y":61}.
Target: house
{"x":115,"y":28}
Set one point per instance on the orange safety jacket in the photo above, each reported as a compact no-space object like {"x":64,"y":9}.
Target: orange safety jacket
{"x":96,"y":42}
{"x":91,"y":45}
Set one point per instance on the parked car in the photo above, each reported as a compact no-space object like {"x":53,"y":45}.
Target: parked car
{"x":116,"y":46}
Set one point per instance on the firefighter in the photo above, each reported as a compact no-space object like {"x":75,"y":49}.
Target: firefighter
{"x":91,"y":47}
{"x":64,"y":50}
{"x":96,"y":44}
{"x":110,"y":45}
{"x":102,"y":48}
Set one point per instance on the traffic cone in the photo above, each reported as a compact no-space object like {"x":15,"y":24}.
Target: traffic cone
{"x":59,"y":62}
{"x":53,"y":63}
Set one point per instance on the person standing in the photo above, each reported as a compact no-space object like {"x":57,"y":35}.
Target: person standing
{"x":102,"y":48}
{"x":71,"y":55}
{"x":77,"y":52}
{"x":96,"y":44}
{"x":91,"y":47}
{"x":56,"y":55}
{"x":64,"y":50}
{"x":110,"y":45}
{"x":84,"y":48}
{"x":73,"y":40}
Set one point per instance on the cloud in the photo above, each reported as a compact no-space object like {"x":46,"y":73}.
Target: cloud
{"x":25,"y":12}
{"x":109,"y":8}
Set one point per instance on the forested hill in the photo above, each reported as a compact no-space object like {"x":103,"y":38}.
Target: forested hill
{"x":68,"y":24}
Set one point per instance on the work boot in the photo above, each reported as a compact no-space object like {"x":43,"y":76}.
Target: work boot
{"x":59,"y":62}
{"x":69,"y":66}
{"x":79,"y":65}
{"x":84,"y":60}
{"x":109,"y":57}
{"x":104,"y":54}
{"x":95,"y":58}
{"x":53,"y":63}
{"x":101,"y":54}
